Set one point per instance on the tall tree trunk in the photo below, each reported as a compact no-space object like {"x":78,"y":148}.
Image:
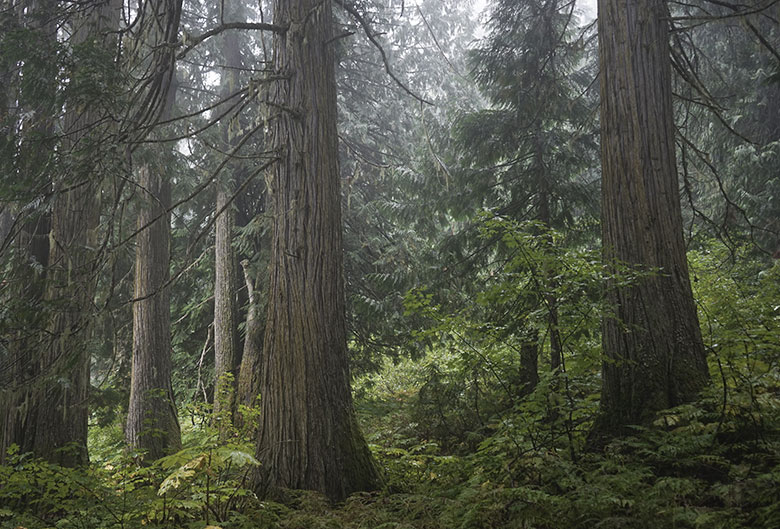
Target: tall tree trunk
{"x":19,"y":363}
{"x":152,"y":425}
{"x":309,"y":437}
{"x":61,"y":431}
{"x":225,"y":310}
{"x":226,"y":281}
{"x":654,"y":356}
{"x":62,"y":390}
{"x":24,"y":234}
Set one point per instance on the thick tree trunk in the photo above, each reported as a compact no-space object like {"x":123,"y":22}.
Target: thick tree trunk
{"x":24,"y":236}
{"x":19,"y":363}
{"x":309,"y":437}
{"x":61,"y":391}
{"x":152,"y":425}
{"x":654,"y":357}
{"x":61,"y":430}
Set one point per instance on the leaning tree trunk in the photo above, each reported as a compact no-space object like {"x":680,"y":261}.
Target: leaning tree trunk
{"x":249,"y":375}
{"x":654,"y":356}
{"x":309,"y":437}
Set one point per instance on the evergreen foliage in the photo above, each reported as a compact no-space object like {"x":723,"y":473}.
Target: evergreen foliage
{"x":475,"y":286}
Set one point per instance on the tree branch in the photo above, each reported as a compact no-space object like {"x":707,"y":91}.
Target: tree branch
{"x":190,"y":42}
{"x":370,"y":36}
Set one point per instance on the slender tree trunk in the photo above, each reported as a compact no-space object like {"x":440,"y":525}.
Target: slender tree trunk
{"x":226,"y":282}
{"x":550,"y":300}
{"x":654,"y":357}
{"x":225,"y":311}
{"x":251,"y":360}
{"x":309,"y":437}
{"x":529,"y":365}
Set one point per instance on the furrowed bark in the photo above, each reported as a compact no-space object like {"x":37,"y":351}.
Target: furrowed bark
{"x":309,"y":437}
{"x":654,"y":356}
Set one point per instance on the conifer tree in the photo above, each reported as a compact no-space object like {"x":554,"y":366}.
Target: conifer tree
{"x":309,"y":437}
{"x":152,"y":424}
{"x":654,"y":355}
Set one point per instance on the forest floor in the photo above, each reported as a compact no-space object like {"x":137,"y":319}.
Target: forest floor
{"x":700,"y":465}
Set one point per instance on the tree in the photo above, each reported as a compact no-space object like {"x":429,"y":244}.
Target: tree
{"x":24,"y":231}
{"x":152,"y":424}
{"x":309,"y":437}
{"x":531,"y":150}
{"x":226,"y":282}
{"x":654,"y":356}
{"x":49,"y":413}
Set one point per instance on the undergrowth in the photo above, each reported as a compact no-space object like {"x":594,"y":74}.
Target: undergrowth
{"x":461,"y":447}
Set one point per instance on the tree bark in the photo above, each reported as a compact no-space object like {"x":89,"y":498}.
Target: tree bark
{"x":251,"y":360}
{"x":152,"y":424}
{"x":226,"y":280}
{"x":19,"y":363}
{"x":309,"y":437}
{"x":61,"y":430}
{"x":654,"y":356}
{"x":61,"y":391}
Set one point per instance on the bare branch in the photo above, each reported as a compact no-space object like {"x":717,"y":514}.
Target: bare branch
{"x":190,"y":42}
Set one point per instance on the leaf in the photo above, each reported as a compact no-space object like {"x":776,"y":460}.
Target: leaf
{"x":175,"y":479}
{"x":238,"y":457}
